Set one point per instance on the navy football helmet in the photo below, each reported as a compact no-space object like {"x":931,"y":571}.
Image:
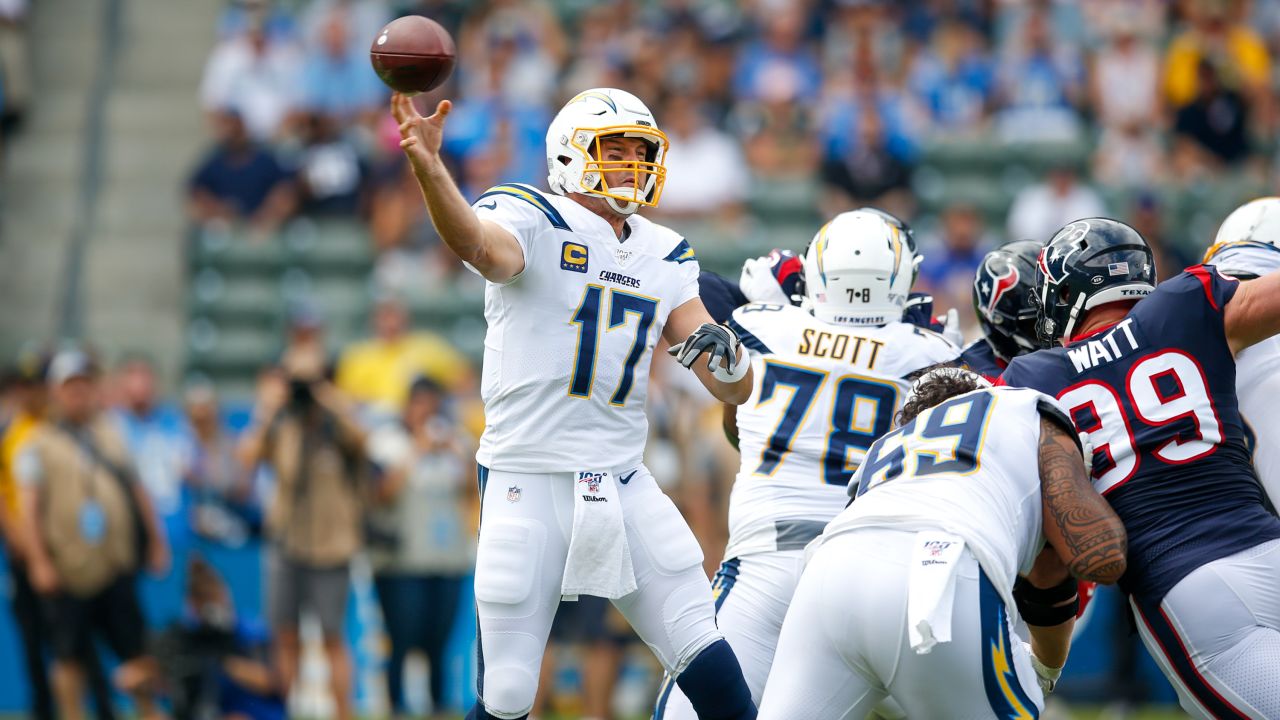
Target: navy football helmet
{"x":1004,"y":298}
{"x":1088,"y":263}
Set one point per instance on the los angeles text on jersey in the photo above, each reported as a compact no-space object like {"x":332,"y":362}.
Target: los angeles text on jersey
{"x":1108,"y":347}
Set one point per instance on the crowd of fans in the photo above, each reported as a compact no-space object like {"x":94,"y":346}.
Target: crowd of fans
{"x":368,"y":454}
{"x":840,"y":99}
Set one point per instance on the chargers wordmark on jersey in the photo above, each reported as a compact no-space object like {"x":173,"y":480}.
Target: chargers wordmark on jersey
{"x":573,"y":257}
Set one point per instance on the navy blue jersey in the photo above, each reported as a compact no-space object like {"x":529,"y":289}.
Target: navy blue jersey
{"x":1157,"y":394}
{"x":720,"y":295}
{"x":980,"y":358}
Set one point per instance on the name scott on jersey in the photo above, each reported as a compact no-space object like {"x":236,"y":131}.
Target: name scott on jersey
{"x":1107,"y":348}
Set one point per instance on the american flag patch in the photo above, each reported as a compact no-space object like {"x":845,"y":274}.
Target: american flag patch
{"x":1120,"y":268}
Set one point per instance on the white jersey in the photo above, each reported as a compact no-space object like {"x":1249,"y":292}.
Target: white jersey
{"x":1258,"y":366}
{"x":823,"y":393}
{"x":570,"y":339}
{"x":968,"y":467}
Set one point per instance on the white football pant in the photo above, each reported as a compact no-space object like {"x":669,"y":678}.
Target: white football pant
{"x":525,"y":525}
{"x":844,"y":645}
{"x":1216,"y":635}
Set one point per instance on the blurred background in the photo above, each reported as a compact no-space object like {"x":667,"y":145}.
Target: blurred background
{"x":207,"y":199}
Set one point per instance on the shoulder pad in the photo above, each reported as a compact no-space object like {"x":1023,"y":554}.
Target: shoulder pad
{"x":681,"y":253}
{"x":529,"y":195}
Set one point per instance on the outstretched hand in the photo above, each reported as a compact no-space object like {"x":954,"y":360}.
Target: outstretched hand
{"x":420,"y":137}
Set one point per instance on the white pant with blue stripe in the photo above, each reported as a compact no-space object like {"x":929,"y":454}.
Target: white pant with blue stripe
{"x":752,"y":594}
{"x":844,"y":646}
{"x":1216,"y":635}
{"x":525,"y":525}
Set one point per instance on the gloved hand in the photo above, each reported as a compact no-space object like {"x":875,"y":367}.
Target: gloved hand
{"x":721,"y":344}
{"x":759,"y":283}
{"x":1086,"y":447}
{"x":951,"y":328}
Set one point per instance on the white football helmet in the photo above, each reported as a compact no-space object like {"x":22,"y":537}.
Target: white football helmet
{"x":858,"y":270}
{"x":573,"y":149}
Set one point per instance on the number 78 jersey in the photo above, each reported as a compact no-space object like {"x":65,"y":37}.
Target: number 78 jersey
{"x":1156,"y":393}
{"x":823,"y":394}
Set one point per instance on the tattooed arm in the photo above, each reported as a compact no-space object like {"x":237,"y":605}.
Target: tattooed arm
{"x":1078,"y":523}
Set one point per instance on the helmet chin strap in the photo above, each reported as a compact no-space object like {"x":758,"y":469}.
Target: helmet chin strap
{"x":622,"y":208}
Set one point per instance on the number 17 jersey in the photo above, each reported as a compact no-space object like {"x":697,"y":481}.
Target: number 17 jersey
{"x":823,"y":394}
{"x":1156,"y":393}
{"x":570,"y":339}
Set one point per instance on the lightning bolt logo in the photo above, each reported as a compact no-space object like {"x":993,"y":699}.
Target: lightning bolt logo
{"x":1006,"y":678}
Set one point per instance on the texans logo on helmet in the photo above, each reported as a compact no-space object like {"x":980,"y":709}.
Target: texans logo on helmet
{"x":1004,"y":282}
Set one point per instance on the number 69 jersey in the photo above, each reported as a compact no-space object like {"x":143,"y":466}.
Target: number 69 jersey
{"x":823,"y":394}
{"x":1156,"y":393}
{"x":570,"y":339}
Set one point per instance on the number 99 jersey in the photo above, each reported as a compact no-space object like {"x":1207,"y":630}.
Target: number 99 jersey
{"x":1156,"y":393}
{"x":570,"y":339}
{"x":823,"y":394}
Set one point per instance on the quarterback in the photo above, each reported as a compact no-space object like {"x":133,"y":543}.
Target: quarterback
{"x":579,"y":289}
{"x":828,"y":381}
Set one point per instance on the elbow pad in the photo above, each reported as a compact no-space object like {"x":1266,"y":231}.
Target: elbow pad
{"x":1046,"y":607}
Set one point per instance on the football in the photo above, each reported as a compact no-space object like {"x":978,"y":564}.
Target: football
{"x":413,"y":54}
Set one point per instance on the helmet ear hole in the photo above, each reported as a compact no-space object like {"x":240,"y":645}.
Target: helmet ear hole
{"x":564,"y":159}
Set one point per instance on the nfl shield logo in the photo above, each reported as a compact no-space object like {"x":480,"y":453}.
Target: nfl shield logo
{"x":513,"y":494}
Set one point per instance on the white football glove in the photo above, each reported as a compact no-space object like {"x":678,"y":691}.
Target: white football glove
{"x":758,"y":283}
{"x":1086,"y":447}
{"x":721,"y":344}
{"x":951,"y":329}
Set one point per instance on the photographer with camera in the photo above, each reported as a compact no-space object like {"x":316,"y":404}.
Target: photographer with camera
{"x":217,"y":661}
{"x":307,"y":433}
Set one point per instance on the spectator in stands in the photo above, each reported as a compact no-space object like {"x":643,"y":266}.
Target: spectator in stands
{"x":331,"y":173}
{"x":217,"y":661}
{"x":1040,"y":85}
{"x":220,"y":500}
{"x":1124,"y":88}
{"x":509,"y":51}
{"x":89,"y":523}
{"x":701,"y":152}
{"x":421,"y":546}
{"x":1238,"y":55}
{"x":867,"y":173}
{"x":156,"y":434}
{"x":1039,"y":210}
{"x":952,"y":258}
{"x":15,"y":69}
{"x":952,"y":78}
{"x":492,"y":116}
{"x":337,"y":79}
{"x":239,"y":182}
{"x":305,"y":431}
{"x":1145,"y":217}
{"x":361,"y":20}
{"x":777,"y":130}
{"x":780,"y":54}
{"x":256,"y":75}
{"x":1210,"y":132}
{"x":380,"y":370}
